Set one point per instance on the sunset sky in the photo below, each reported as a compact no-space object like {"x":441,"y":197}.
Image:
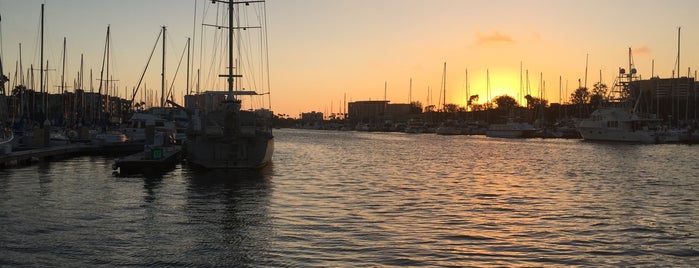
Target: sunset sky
{"x":320,"y":50}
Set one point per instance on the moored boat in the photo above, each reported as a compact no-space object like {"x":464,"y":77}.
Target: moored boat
{"x":511,"y":130}
{"x":230,"y":138}
{"x":617,"y":120}
{"x":620,"y":125}
{"x":449,"y":128}
{"x":7,"y":140}
{"x":222,"y":135}
{"x":135,"y":127}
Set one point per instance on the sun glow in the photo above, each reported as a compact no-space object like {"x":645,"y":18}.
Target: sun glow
{"x":498,"y":87}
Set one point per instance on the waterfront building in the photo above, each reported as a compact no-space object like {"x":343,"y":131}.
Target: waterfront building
{"x":312,"y":117}
{"x":377,"y":111}
{"x":366,"y":111}
{"x":673,"y":100}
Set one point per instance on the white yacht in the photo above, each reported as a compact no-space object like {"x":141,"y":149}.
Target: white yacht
{"x":617,"y":120}
{"x":619,"y":124}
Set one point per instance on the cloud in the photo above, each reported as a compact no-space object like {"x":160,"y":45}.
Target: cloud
{"x":536,"y":36}
{"x":493,"y":39}
{"x":641,"y":51}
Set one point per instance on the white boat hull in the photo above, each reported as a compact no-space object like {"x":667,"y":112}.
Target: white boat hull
{"x":617,"y":124}
{"x":618,"y":135}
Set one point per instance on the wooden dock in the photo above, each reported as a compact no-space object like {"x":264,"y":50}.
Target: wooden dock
{"x":25,"y":157}
{"x":155,"y":161}
{"x":29,"y":156}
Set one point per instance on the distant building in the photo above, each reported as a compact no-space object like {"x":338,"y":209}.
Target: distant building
{"x":312,"y":117}
{"x":670,"y":99}
{"x":377,"y":111}
{"x":366,"y":111}
{"x":205,"y":102}
{"x":397,"y":111}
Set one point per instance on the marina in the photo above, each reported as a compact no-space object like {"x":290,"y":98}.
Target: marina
{"x":211,"y":128}
{"x":98,"y":168}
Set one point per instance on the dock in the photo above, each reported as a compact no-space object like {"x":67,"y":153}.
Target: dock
{"x":25,"y":157}
{"x":43,"y":154}
{"x":152,"y":161}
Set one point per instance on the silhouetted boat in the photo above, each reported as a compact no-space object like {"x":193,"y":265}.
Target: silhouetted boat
{"x":449,"y":128}
{"x":510,"y":129}
{"x":619,"y":122}
{"x":135,"y":127}
{"x":7,"y":140}
{"x":227,"y":137}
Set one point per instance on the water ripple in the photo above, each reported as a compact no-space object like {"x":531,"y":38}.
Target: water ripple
{"x":367,"y":199}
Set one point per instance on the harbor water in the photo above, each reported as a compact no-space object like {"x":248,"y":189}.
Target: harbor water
{"x":366,"y":199}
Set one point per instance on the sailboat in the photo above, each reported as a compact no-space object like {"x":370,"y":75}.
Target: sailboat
{"x":221,"y":135}
{"x":6,"y":135}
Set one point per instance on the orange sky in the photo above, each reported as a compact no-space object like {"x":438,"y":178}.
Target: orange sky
{"x":321,"y":50}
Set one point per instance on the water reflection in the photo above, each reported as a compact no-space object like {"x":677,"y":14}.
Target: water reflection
{"x":363,"y":199}
{"x":150,"y":184}
{"x":45,"y":178}
{"x":231,"y":211}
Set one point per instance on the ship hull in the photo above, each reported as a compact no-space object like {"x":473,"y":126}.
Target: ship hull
{"x":510,"y":130}
{"x":240,"y":153}
{"x":509,"y":134}
{"x":617,"y":135}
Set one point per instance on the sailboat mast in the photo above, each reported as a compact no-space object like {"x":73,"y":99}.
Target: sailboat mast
{"x":188,"y":55}
{"x":92,"y":103}
{"x":46,"y":93}
{"x":63,"y":71}
{"x":230,"y":50}
{"x":21,"y":68}
{"x":97,"y":109}
{"x":560,"y":89}
{"x":429,"y":96}
{"x":521,"y":85}
{"x":587,"y":56}
{"x":468,"y":93}
{"x":385,"y":89}
{"x":41,"y":64}
{"x":80,"y":85}
{"x":106,"y":85}
{"x":541,"y":84}
{"x":3,"y":78}
{"x":444,"y":85}
{"x":487,"y":84}
{"x":162,"y":74}
{"x":410,"y":93}
{"x":678,"y":51}
{"x":63,"y":74}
